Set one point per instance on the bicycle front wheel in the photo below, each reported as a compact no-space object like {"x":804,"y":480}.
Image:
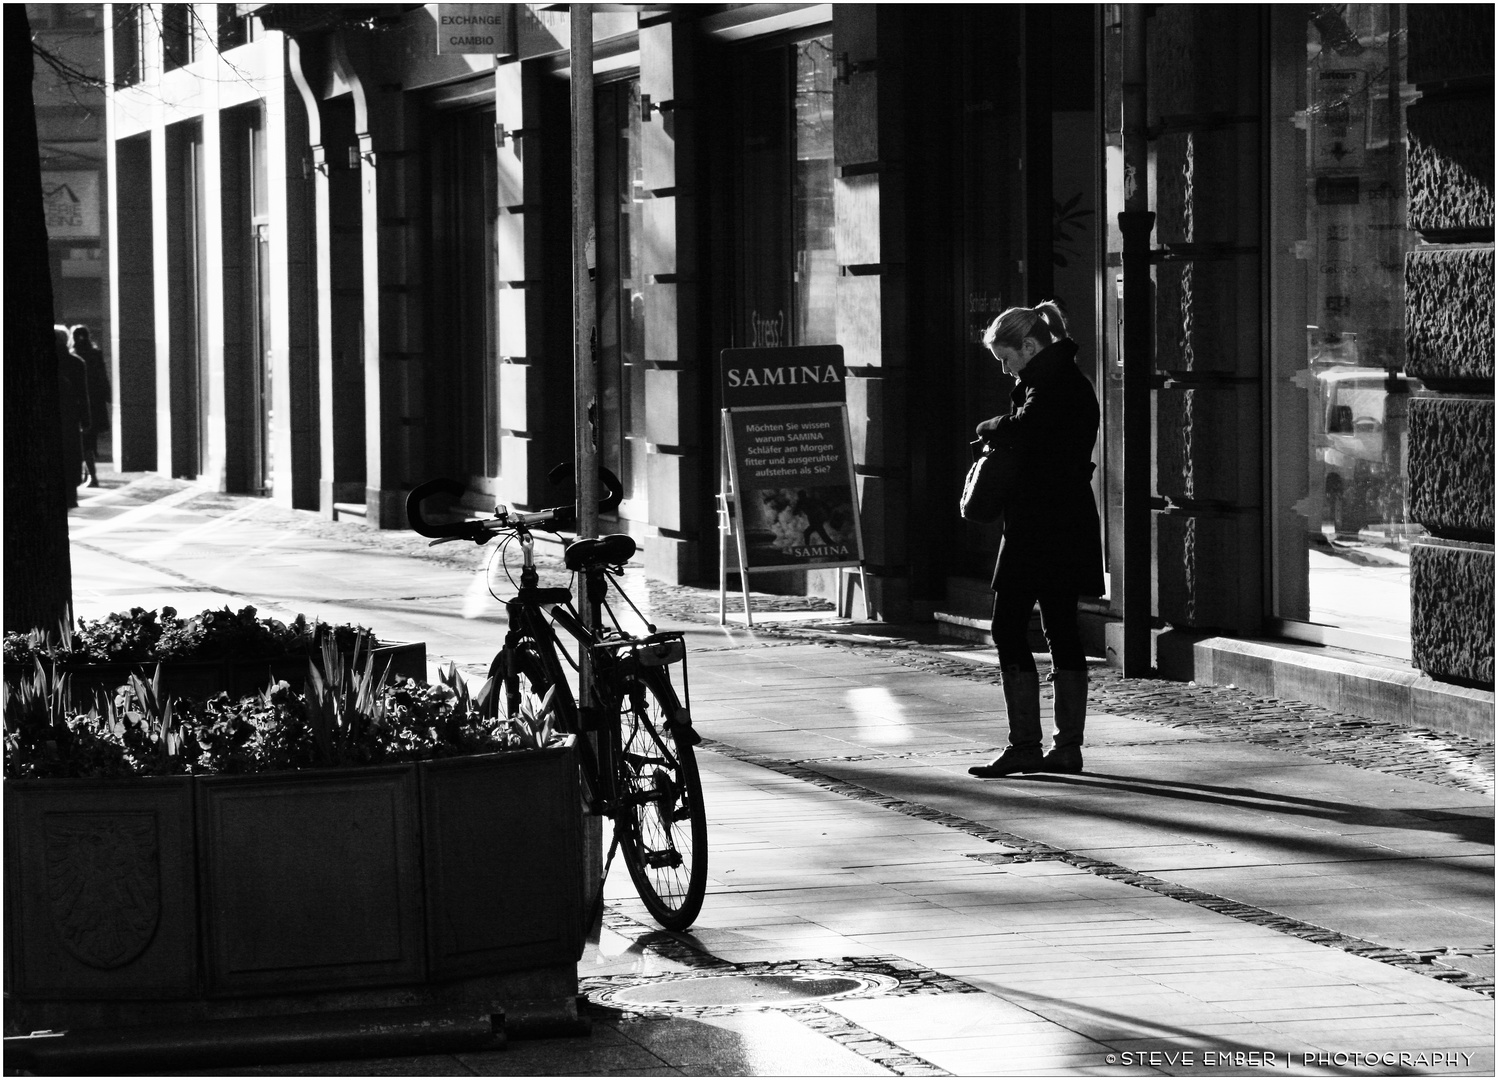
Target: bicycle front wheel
{"x":530,"y":683}
{"x":660,"y":817}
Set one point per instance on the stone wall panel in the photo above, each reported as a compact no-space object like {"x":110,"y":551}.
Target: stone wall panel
{"x":1449,"y":167}
{"x":1451,"y":611}
{"x":1201,"y":581}
{"x":1449,"y":41}
{"x":1207,"y":316}
{"x":1448,"y":315}
{"x":1451,"y":464}
{"x":1200,"y":443}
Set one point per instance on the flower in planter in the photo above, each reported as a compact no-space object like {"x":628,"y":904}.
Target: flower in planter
{"x":344,"y":716}
{"x":141,"y":636}
{"x":119,"y":637}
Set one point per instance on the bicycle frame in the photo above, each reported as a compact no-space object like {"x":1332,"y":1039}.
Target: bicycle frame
{"x":529,"y":616}
{"x":634,"y":742}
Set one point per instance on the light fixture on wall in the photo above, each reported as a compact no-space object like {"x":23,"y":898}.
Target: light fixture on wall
{"x":647,"y":107}
{"x":501,"y":133}
{"x":847,"y":69}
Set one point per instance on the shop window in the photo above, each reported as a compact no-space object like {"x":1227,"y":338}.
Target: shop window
{"x":1341,"y":398}
{"x":233,"y":28}
{"x":621,"y":283}
{"x":812,"y":215}
{"x":785,"y":270}
{"x":177,"y":35}
{"x":81,"y":17}
{"x":128,"y":47}
{"x":465,"y":285}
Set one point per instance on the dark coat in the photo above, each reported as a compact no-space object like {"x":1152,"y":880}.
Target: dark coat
{"x":1052,"y":538}
{"x":97,"y":373}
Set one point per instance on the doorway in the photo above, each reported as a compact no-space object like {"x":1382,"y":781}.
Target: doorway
{"x":1029,"y":181}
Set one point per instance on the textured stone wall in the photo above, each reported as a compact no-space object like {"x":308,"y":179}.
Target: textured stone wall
{"x":1449,"y":339}
{"x":1450,"y":41}
{"x":1448,"y":328}
{"x":1453,"y":609}
{"x":1451,"y":464}
{"x":1449,"y":168}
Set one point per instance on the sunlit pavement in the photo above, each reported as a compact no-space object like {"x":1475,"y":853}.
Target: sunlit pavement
{"x":1191,"y":903}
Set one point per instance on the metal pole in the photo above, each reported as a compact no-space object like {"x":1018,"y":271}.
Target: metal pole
{"x":1136,"y":222}
{"x":585,"y":395}
{"x":584,"y":307}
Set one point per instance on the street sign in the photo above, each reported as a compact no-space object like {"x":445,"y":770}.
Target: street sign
{"x":475,"y":28}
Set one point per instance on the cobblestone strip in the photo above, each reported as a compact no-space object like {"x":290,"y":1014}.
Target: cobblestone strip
{"x":912,"y":979}
{"x":1423,"y":962}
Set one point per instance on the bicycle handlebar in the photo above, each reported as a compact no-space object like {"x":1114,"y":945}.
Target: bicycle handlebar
{"x":557,"y":517}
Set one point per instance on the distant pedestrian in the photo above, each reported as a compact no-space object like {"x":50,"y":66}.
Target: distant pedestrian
{"x":97,"y":377}
{"x":1051,"y":550}
{"x":72,"y":413}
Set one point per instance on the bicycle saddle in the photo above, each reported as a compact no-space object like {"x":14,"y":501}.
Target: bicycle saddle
{"x":612,"y":550}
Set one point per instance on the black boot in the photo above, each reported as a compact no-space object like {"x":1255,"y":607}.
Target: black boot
{"x":1071,"y":720}
{"x":1022,"y":703}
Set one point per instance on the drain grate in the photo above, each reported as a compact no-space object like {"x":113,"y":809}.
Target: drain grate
{"x":742,"y":990}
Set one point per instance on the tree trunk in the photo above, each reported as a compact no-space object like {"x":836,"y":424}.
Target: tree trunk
{"x":38,"y":568}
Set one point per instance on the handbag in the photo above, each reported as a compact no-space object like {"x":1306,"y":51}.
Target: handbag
{"x":993,"y":479}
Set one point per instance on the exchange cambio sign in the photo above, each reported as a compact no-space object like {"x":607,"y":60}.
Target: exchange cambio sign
{"x":475,"y":28}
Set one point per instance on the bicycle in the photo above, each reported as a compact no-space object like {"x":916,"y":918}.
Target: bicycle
{"x":640,"y":770}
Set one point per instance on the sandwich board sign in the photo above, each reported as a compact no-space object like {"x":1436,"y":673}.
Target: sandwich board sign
{"x":789,"y":497}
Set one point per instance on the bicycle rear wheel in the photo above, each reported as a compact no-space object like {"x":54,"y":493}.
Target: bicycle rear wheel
{"x":661,"y":820}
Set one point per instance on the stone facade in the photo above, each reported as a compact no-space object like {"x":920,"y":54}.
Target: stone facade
{"x":1449,"y":336}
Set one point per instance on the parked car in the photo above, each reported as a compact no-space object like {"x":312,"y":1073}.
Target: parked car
{"x":1360,"y":445}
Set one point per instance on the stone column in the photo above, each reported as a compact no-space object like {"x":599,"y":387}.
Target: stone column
{"x":870,"y":208}
{"x":1449,"y":283}
{"x":1205,"y":81}
{"x":392,"y":210}
{"x":677,"y":387}
{"x":534,"y":301}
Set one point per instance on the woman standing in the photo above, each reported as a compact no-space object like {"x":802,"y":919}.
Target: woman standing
{"x":1051,"y":551}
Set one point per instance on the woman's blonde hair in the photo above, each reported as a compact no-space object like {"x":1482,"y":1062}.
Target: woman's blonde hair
{"x":1043,"y":322}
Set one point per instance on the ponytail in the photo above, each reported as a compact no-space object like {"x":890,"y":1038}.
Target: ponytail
{"x":1055,"y":322}
{"x":1044,"y":323}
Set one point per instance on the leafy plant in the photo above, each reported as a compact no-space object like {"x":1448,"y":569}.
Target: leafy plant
{"x":345,"y":715}
{"x":150,"y":716}
{"x":344,"y":704}
{"x":139,"y":635}
{"x":533,"y":724}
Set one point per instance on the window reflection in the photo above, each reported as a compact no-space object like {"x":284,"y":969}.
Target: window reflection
{"x":815,"y":274}
{"x":1351,"y":166}
{"x":784,"y":269}
{"x":622,"y":281}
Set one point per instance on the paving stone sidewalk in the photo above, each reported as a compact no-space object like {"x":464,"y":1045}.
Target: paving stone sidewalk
{"x":783,"y":807}
{"x":1438,"y":758}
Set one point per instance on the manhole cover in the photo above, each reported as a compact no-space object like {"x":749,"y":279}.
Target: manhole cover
{"x":744,"y":991}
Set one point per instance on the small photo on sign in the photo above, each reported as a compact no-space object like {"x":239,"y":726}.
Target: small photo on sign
{"x":786,"y":526}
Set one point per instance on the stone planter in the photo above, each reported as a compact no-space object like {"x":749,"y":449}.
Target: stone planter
{"x":239,"y":678}
{"x":182,"y":898}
